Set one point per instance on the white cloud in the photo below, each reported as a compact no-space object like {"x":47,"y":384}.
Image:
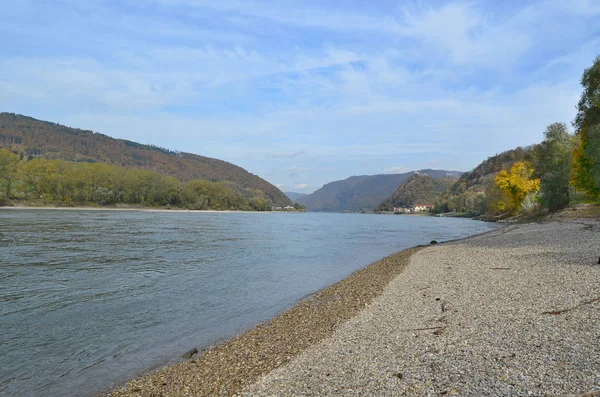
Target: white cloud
{"x":287,"y":155}
{"x":467,"y":35}
{"x":86,"y":82}
{"x":288,"y":13}
{"x":302,"y":186}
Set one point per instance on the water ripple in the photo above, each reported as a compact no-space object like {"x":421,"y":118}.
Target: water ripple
{"x":91,"y":298}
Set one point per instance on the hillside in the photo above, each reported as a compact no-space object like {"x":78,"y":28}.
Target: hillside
{"x":418,"y":189}
{"x":294,"y":196}
{"x":35,"y":138}
{"x":468,"y":192}
{"x":363,"y":192}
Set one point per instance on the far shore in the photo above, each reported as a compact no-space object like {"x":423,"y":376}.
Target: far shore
{"x":145,"y":209}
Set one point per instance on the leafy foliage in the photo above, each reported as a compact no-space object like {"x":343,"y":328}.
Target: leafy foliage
{"x":586,"y":167}
{"x":586,"y":161}
{"x":40,"y":139}
{"x":588,"y":108}
{"x":552,"y":160}
{"x":8,"y":172}
{"x":66,"y":182}
{"x":475,"y":192}
{"x":560,"y":160}
{"x":517,"y":184}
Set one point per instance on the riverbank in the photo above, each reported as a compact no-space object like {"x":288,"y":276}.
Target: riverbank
{"x":513,"y":311}
{"x":227,"y":368}
{"x":146,"y":209}
{"x":140,"y":289}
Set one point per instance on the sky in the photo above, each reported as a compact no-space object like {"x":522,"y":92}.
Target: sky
{"x":303,"y":93}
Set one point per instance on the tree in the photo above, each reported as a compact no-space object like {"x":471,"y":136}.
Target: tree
{"x":552,"y":160}
{"x":105,"y":184}
{"x":199,"y":194}
{"x":586,"y":165}
{"x":588,"y":108}
{"x":517,"y":183}
{"x":586,"y":161}
{"x":36,"y":175}
{"x":9,"y":168}
{"x":496,"y":201}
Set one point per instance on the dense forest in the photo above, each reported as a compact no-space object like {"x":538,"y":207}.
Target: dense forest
{"x":418,"y":189}
{"x":32,"y":138}
{"x":562,"y":169}
{"x":39,"y":181}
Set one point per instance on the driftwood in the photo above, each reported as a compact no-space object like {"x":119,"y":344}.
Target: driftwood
{"x":556,"y":312}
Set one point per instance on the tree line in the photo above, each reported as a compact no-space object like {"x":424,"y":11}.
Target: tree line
{"x":563,"y":164}
{"x":64,"y":182}
{"x":42,"y":139}
{"x":547,"y":176}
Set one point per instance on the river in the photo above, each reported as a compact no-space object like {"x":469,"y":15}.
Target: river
{"x":89,"y":299}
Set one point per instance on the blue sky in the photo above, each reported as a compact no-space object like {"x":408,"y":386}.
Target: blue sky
{"x":303,"y":93}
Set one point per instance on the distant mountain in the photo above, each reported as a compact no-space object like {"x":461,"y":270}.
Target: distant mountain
{"x":294,"y":196}
{"x":363,"y":192}
{"x":418,"y":189}
{"x":35,"y":138}
{"x":468,"y":193}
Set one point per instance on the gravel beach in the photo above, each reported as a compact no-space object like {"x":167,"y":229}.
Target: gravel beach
{"x":225,"y":369}
{"x":511,"y":312}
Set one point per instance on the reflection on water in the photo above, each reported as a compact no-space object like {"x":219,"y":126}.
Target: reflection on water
{"x":89,"y":299}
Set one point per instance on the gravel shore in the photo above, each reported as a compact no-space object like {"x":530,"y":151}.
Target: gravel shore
{"x":225,"y":369}
{"x":512,"y":312}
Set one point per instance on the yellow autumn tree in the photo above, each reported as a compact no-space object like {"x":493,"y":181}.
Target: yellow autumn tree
{"x":517,"y":183}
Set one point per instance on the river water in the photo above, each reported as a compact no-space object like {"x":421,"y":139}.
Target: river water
{"x":89,"y":299}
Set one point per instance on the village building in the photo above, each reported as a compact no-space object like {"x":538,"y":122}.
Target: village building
{"x":422,"y":207}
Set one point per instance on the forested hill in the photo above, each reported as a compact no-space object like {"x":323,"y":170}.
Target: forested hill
{"x":35,"y":138}
{"x":468,"y":193}
{"x":363,"y":192}
{"x":418,"y":189}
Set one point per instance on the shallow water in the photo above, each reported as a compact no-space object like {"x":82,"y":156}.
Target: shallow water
{"x":89,"y":299}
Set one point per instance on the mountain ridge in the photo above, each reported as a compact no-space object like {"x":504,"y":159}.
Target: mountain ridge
{"x":469,"y":192}
{"x":44,"y":139}
{"x":295,"y":195}
{"x":417,"y":189}
{"x":361,"y":192}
